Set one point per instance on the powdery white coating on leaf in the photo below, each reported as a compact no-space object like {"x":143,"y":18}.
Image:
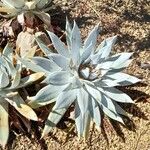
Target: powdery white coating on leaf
{"x":89,"y":75}
{"x":10,"y":82}
{"x":20,"y":8}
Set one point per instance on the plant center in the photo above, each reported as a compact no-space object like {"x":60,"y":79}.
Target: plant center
{"x":89,"y":72}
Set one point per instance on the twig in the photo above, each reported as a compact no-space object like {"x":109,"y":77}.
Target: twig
{"x":94,"y":10}
{"x":142,"y":133}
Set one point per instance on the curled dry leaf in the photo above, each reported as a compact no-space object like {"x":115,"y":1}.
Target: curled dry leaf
{"x":26,"y":42}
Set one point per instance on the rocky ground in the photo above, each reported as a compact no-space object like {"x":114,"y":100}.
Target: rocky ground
{"x":130,"y":20}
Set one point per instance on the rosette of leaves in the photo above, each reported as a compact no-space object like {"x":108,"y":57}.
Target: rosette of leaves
{"x":82,"y":75}
{"x":21,"y":7}
{"x":10,"y":82}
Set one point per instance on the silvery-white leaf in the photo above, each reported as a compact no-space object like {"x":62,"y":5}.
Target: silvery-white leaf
{"x":122,"y":79}
{"x":122,"y":66}
{"x":75,"y":44}
{"x":8,"y":51}
{"x":97,"y":59}
{"x":47,"y":64}
{"x":68,"y":34}
{"x":119,"y":109}
{"x":9,"y":65}
{"x":4,"y":78}
{"x":86,"y":124}
{"x":58,"y":78}
{"x":59,"y":45}
{"x":92,"y":38}
{"x":100,"y":46}
{"x":45,"y":96}
{"x":76,"y":83}
{"x":104,"y":65}
{"x":60,"y":60}
{"x":99,"y":83}
{"x":32,"y":65}
{"x":93,"y":91}
{"x":42,"y":3}
{"x":107,"y":102}
{"x":105,"y":51}
{"x":85,"y":72}
{"x":116,"y":95}
{"x":108,"y":64}
{"x":65,"y":99}
{"x":86,"y":53}
{"x":95,"y":111}
{"x":107,"y":82}
{"x":78,"y":120}
{"x":111,"y":114}
{"x":13,"y":4}
{"x":82,"y":99}
{"x":53,"y":119}
{"x":15,"y":81}
{"x":122,"y":59}
{"x":43,"y":47}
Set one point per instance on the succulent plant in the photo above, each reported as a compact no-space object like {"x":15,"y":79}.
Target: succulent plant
{"x":82,"y":75}
{"x":22,"y":7}
{"x":10,"y":82}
